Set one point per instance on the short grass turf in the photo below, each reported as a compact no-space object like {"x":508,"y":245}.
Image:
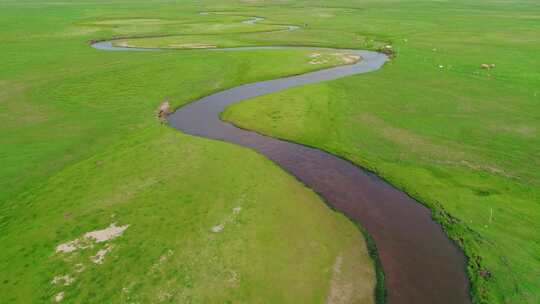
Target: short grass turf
{"x":202,"y":229}
{"x":463,"y":140}
{"x":81,"y":149}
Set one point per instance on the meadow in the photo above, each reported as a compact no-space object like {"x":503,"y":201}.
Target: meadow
{"x":82,"y":151}
{"x":212,"y":222}
{"x":463,"y":140}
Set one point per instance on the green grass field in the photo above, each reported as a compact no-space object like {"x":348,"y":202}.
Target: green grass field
{"x":81,"y":147}
{"x":463,"y":140}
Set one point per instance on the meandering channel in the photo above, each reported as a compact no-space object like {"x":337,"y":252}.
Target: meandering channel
{"x":421,"y":264}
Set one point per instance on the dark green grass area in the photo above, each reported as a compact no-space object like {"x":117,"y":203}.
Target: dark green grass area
{"x":461,"y":139}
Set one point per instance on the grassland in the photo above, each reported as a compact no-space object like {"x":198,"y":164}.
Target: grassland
{"x":81,"y":149}
{"x":461,"y":139}
{"x":77,"y":127}
{"x":192,"y":237}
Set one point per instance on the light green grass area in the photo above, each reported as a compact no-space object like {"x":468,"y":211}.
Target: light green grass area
{"x":209,"y":222}
{"x":81,"y":147}
{"x":463,"y":140}
{"x":201,"y":229}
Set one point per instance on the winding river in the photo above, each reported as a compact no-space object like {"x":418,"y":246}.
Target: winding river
{"x":420,"y":263}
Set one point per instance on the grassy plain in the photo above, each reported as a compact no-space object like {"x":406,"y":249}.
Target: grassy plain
{"x":81,"y":149}
{"x":463,"y":140}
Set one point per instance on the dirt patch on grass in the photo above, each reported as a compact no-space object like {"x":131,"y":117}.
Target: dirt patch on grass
{"x":100,"y":255}
{"x":352,"y":278}
{"x":122,"y":44}
{"x":106,"y":234}
{"x":88,"y":240}
{"x":337,"y":58}
{"x":230,"y":219}
{"x":58,"y":297}
{"x":193,"y":46}
{"x":65,"y":280}
{"x":347,"y":58}
{"x":96,"y":236}
{"x":317,"y":58}
{"x":350,"y":58}
{"x":71,"y":246}
{"x":79,"y":267}
{"x":340,"y":290}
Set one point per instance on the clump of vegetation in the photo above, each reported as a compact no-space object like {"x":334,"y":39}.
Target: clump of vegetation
{"x":163,"y":110}
{"x":387,"y":49}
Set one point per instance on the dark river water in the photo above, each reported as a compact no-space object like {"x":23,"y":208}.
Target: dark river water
{"x":421,"y":264}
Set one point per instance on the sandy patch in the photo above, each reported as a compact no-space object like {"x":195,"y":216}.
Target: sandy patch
{"x":70,"y":246}
{"x":166,"y":256}
{"x":353,"y":277}
{"x":65,"y":280}
{"x":341,"y":291}
{"x":96,"y":236}
{"x":163,"y":296}
{"x":316,"y":58}
{"x":59,"y":297}
{"x":321,"y":61}
{"x":106,"y":234}
{"x":345,"y":58}
{"x":352,"y":283}
{"x":79,"y":267}
{"x":487,"y":66}
{"x":218,"y":228}
{"x":122,"y":44}
{"x":350,"y":58}
{"x":193,"y":46}
{"x":100,"y":255}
